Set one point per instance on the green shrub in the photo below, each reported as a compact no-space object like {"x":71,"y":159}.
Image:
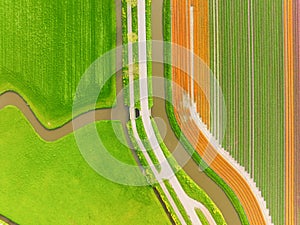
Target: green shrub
{"x":132,"y":3}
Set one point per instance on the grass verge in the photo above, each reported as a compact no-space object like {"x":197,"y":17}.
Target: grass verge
{"x":202,"y":217}
{"x":177,"y":202}
{"x":143,"y":136}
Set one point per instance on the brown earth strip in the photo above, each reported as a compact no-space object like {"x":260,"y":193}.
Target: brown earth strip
{"x":289,"y":113}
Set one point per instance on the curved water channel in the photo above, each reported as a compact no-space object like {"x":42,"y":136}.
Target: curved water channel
{"x":158,"y":111}
{"x":191,"y":168}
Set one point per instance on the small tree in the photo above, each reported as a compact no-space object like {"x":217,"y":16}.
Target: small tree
{"x":132,"y":37}
{"x":133,"y":3}
{"x":150,"y":177}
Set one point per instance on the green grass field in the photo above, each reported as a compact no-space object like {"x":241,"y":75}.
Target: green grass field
{"x":47,"y":46}
{"x":50,"y":183}
{"x":262,"y":130}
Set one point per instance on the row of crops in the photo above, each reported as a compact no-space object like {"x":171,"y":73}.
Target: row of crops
{"x":297,"y":112}
{"x":247,"y":59}
{"x":174,"y":25}
{"x":46,"y":47}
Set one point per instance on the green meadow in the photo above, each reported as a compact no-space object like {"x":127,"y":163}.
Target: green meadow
{"x":50,"y":182}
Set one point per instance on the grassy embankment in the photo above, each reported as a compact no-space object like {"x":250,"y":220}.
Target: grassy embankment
{"x":47,"y":46}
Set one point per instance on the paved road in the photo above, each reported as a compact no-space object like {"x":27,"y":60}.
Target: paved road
{"x":132,"y":115}
{"x":166,"y":171}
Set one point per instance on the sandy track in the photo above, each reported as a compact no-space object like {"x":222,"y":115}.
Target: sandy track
{"x":289,"y":114}
{"x":224,"y":169}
